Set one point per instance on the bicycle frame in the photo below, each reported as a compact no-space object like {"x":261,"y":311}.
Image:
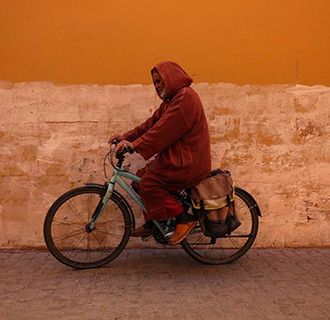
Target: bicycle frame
{"x":117,"y":178}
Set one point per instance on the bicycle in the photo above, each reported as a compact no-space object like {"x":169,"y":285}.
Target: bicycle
{"x":89,"y":226}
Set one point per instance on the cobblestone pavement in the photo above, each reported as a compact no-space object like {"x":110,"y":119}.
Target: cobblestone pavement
{"x":168,"y":284}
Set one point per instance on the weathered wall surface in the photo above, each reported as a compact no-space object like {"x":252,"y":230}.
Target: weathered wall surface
{"x":274,"y":139}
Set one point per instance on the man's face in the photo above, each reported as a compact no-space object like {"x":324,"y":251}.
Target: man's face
{"x":159,"y":85}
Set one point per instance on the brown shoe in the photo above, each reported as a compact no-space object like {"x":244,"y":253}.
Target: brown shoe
{"x":181,"y":231}
{"x":141,"y":231}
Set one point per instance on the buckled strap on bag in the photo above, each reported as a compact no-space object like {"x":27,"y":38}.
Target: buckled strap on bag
{"x":230,"y":217}
{"x":201,"y":204}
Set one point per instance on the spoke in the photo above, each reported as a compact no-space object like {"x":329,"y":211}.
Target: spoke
{"x":110,"y":234}
{"x":241,"y":205}
{"x":66,"y":223}
{"x":222,"y":252}
{"x":113,"y":213}
{"x":210,"y":249}
{"x":234,"y":243}
{"x":198,"y":240}
{"x":75,"y":211}
{"x":112,"y":206}
{"x":239,"y":236}
{"x":97,"y":240}
{"x":113,"y":220}
{"x":69,"y":235}
{"x":100,"y":243}
{"x":77,"y":242}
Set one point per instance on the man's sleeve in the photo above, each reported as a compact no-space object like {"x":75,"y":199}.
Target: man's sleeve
{"x":142,"y":128}
{"x":171,"y":126}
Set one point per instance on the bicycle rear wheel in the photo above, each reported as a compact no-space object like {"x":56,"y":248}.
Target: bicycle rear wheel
{"x":68,"y":237}
{"x":230,"y":247}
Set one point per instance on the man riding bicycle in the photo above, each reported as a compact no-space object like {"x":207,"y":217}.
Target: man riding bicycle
{"x":177,"y":133}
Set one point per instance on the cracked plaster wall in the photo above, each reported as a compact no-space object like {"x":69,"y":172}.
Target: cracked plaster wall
{"x":274,"y":139}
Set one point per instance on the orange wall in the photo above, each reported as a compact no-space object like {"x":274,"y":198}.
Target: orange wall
{"x":117,"y":42}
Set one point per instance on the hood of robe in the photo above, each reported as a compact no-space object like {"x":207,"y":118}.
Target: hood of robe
{"x":174,"y":77}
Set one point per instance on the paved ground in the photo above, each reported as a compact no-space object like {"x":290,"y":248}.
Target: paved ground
{"x":168,"y":284}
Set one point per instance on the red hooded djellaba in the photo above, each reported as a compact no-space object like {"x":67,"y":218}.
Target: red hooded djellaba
{"x":177,"y":135}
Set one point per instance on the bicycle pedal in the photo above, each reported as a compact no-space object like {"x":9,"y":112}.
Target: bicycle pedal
{"x":168,"y":235}
{"x":146,"y":238}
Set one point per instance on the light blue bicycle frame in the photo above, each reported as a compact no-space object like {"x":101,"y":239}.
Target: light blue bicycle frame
{"x":117,"y":178}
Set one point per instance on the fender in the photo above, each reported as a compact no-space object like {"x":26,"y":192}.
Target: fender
{"x":257,"y":208}
{"x":98,"y":185}
{"x":253,"y":202}
{"x":120,"y":196}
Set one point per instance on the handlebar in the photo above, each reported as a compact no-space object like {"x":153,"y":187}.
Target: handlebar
{"x":126,"y":149}
{"x":120,"y":156}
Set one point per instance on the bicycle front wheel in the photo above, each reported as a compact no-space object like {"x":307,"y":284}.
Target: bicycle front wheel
{"x":68,"y":237}
{"x":230,"y":247}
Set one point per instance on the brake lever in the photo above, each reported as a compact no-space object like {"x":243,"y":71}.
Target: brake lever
{"x":115,"y":141}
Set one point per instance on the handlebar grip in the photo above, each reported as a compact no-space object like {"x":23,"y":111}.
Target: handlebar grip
{"x":125,"y":150}
{"x":129,"y":149}
{"x":120,"y":155}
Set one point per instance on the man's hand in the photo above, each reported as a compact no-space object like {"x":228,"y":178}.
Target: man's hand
{"x":124,"y":144}
{"x":117,"y":137}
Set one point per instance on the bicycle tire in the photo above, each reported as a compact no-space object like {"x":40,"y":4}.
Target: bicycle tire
{"x":68,"y":217}
{"x":230,"y":247}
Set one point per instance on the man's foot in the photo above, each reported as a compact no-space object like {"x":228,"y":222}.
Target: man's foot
{"x":181,"y":231}
{"x":141,"y":231}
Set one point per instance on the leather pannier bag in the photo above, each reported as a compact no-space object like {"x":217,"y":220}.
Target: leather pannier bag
{"x":213,"y":199}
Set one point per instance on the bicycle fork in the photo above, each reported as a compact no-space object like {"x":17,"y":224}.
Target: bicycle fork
{"x":90,"y":226}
